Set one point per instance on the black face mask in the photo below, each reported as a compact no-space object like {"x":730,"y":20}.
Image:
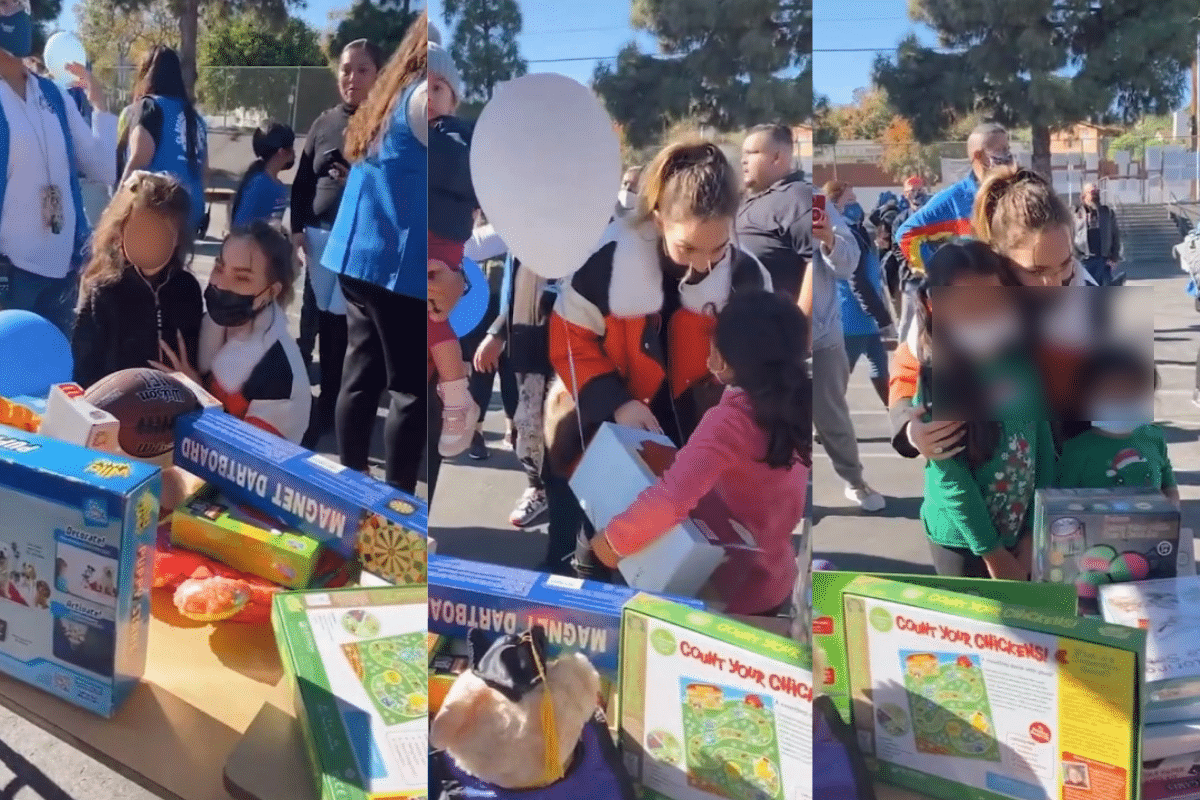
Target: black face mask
{"x":230,"y":309}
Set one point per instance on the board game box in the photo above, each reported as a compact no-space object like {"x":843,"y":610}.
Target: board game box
{"x":829,"y":630}
{"x":1168,"y":610}
{"x":1174,"y":778}
{"x":1092,"y":537}
{"x":713,"y":709}
{"x":965,"y":698}
{"x":617,"y":466}
{"x":338,"y":507}
{"x":357,"y":661}
{"x":245,"y":539}
{"x":577,"y":614}
{"x":77,"y":533}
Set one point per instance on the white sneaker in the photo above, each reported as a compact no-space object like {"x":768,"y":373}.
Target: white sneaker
{"x":866,"y":498}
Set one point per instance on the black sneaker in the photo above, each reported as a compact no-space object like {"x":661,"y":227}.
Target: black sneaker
{"x":478,"y":451}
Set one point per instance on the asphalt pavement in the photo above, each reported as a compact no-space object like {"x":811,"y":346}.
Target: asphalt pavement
{"x":894,"y":541}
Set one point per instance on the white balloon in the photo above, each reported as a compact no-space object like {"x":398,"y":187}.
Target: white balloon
{"x":546,"y":165}
{"x":62,"y":49}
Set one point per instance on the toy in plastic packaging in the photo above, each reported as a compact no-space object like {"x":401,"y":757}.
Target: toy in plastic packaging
{"x":211,"y":598}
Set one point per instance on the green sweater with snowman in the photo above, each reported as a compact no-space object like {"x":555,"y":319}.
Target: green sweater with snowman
{"x":1096,"y":460}
{"x":978,"y":509}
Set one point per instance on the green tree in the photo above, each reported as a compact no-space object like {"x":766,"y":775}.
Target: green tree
{"x":243,"y":40}
{"x":730,"y":65}
{"x":189,"y":12}
{"x":114,"y":38}
{"x":483,"y":42}
{"x":382,"y":21}
{"x":1042,"y":63}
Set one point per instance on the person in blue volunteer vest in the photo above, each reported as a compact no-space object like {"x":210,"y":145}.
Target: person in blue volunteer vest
{"x":44,"y":146}
{"x":378,"y":246}
{"x":163,"y":131}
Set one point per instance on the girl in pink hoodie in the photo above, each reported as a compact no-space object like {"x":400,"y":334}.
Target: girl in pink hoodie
{"x":753,"y":449}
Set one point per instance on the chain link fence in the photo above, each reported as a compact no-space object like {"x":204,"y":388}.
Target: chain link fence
{"x":1130,"y":170}
{"x":243,"y":97}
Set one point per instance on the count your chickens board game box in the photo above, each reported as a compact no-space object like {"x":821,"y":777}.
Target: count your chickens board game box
{"x":77,"y":532}
{"x":343,"y":509}
{"x":357,"y":661}
{"x":712,"y":708}
{"x":1168,"y":610}
{"x":964,"y":698}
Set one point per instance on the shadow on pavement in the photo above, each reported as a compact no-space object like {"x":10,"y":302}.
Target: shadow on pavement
{"x":897,"y":508}
{"x":857,"y":562}
{"x":509,"y":548}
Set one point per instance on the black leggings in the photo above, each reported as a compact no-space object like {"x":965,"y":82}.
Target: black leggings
{"x":959,"y":562}
{"x":384,"y":333}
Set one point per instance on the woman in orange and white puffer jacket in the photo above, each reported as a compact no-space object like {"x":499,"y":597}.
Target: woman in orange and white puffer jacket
{"x":630,"y":333}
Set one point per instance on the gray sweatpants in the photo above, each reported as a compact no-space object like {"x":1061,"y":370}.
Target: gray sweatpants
{"x":831,"y":415}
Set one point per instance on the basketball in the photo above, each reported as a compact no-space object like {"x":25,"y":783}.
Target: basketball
{"x":146,"y":403}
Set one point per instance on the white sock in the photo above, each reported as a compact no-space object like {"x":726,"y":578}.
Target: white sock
{"x":456,"y":393}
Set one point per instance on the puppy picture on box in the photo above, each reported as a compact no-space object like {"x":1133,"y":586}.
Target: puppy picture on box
{"x":86,"y":574}
{"x":87,"y":643}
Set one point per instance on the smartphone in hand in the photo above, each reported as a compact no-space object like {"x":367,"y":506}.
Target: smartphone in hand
{"x":331,"y":157}
{"x":818,"y":209}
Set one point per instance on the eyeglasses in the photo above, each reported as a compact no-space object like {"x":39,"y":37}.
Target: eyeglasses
{"x":1000,"y":159}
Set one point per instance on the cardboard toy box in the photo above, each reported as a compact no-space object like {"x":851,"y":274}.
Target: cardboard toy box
{"x":244,"y":539}
{"x":577,"y":615}
{"x":617,"y":466}
{"x":357,"y":661}
{"x":712,"y":708}
{"x":829,"y":627}
{"x":1168,"y":610}
{"x":1171,"y":761}
{"x":70,"y":418}
{"x":77,"y":533}
{"x":964,"y":698}
{"x":338,"y":507}
{"x":1091,"y":537}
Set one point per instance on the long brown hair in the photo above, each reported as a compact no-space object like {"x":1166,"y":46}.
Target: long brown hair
{"x":689,"y":180}
{"x":1012,"y":203}
{"x":157,"y":192}
{"x":409,"y":64}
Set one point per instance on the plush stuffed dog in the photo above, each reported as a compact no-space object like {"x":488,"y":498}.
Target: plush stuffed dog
{"x":496,"y":719}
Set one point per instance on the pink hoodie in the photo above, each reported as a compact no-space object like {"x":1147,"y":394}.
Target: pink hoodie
{"x":724,"y":456}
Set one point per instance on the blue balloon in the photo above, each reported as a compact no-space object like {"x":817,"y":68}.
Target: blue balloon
{"x":34,"y":355}
{"x":472,"y":308}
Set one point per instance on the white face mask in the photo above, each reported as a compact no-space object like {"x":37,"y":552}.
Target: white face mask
{"x":986,"y":337}
{"x":1119,"y":419}
{"x":626,"y":199}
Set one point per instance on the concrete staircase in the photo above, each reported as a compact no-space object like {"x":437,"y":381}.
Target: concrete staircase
{"x":1147,"y":234}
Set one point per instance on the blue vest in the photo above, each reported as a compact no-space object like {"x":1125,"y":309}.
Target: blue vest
{"x":855,"y":319}
{"x":82,"y":232}
{"x":171,"y":155}
{"x":382,"y":228}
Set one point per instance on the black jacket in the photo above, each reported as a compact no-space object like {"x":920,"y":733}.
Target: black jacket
{"x":119,"y":325}
{"x":452,"y":200}
{"x":316,"y":196}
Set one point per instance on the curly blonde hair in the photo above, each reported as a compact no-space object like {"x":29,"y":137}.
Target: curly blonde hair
{"x":409,"y":64}
{"x":157,"y":192}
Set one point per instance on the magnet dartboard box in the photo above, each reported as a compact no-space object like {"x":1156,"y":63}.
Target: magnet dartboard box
{"x":343,"y":509}
{"x":77,"y":534}
{"x":712,"y":708}
{"x":357,"y":663}
{"x":1092,"y":537}
{"x":965,"y":698}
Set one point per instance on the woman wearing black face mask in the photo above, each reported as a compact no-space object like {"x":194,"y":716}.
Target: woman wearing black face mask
{"x":261,"y":195}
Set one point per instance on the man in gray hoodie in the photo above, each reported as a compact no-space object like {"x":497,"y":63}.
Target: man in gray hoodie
{"x":775,"y":224}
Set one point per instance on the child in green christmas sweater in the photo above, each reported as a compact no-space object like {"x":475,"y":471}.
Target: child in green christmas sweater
{"x":1123,"y":447}
{"x":978,"y":497}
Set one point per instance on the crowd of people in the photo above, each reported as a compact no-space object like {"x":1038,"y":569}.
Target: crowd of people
{"x":119,"y":284}
{"x":1032,"y":389}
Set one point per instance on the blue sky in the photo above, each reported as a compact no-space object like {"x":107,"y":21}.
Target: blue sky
{"x":567,"y":29}
{"x":856,"y":26}
{"x":316,"y":14}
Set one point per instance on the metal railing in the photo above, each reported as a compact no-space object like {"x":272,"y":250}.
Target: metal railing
{"x":243,"y":97}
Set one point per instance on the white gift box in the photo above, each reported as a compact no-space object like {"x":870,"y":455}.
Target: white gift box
{"x":72,"y":419}
{"x":613,"y":472}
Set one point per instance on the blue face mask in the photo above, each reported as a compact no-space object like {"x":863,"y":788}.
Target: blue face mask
{"x":853,"y":213}
{"x":16,"y":34}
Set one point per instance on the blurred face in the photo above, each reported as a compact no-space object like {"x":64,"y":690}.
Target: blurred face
{"x":996,"y":153}
{"x":696,"y":244}
{"x":242,"y":269}
{"x":1091,"y":195}
{"x":846,"y":199}
{"x":356,"y":76}
{"x":441,"y":97}
{"x":148,"y":240}
{"x":629,"y":181}
{"x":762,"y":162}
{"x":286,"y":159}
{"x":977,"y":315}
{"x":1045,"y":258}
